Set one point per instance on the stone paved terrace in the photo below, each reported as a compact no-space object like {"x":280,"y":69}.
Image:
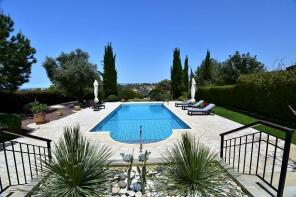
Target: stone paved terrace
{"x":206,"y":128}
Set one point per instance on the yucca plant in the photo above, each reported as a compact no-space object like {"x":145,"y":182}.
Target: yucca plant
{"x":78,"y":168}
{"x":191,"y":170}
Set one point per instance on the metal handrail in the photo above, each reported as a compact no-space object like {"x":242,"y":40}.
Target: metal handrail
{"x":48,"y":141}
{"x":31,"y":163}
{"x":288,"y":138}
{"x":8,"y":131}
{"x":263,"y":122}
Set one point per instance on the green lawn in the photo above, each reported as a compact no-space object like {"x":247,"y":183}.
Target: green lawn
{"x":246,"y":119}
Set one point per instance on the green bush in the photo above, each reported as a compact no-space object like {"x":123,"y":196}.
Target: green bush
{"x":37,"y":107}
{"x":181,"y":98}
{"x":159,"y":95}
{"x":191,"y":170}
{"x":79,"y":168}
{"x":10,"y":121}
{"x":112,"y":98}
{"x":136,"y":100}
{"x":12,"y":102}
{"x":185,"y":95}
{"x":267,"y":94}
{"x":127,"y":93}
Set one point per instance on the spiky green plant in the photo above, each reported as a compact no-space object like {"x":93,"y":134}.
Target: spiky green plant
{"x":143,"y":172}
{"x":78,"y":168}
{"x":129,"y":171}
{"x":190,"y":169}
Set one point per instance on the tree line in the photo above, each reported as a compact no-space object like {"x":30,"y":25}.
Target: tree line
{"x":210,"y":72}
{"x":213,"y":72}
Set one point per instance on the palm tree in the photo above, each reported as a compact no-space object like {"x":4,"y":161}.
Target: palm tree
{"x":77,"y":168}
{"x":191,"y":170}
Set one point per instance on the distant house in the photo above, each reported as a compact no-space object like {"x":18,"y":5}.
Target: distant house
{"x":291,"y":67}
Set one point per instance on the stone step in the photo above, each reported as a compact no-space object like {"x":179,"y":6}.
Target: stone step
{"x":21,"y":190}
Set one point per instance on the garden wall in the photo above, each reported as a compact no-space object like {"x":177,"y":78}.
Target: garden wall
{"x":14,"y":102}
{"x":267,"y":94}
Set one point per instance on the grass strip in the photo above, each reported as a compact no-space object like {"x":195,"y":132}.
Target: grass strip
{"x":246,"y":119}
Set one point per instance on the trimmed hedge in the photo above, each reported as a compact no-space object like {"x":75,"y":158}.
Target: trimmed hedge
{"x":267,"y":94}
{"x":14,"y":102}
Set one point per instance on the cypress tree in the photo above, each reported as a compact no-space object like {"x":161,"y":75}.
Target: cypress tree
{"x":207,"y":68}
{"x":177,"y":75}
{"x":185,"y":73}
{"x":110,"y":73}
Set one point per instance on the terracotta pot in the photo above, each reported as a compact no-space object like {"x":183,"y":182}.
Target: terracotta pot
{"x":39,"y":118}
{"x":77,"y":108}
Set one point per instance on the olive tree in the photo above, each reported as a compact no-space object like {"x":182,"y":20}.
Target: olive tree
{"x":238,"y":64}
{"x":72,"y":73}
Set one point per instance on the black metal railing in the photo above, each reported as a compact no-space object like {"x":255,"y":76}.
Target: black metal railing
{"x":259,"y":153}
{"x":21,"y":162}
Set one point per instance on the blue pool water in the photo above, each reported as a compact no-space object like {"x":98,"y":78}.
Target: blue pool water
{"x":156,"y":120}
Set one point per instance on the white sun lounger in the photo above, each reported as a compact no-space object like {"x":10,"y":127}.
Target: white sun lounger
{"x":194,"y":106}
{"x":206,"y":110}
{"x":180,"y":104}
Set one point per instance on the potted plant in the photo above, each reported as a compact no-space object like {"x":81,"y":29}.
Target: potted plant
{"x":38,"y":109}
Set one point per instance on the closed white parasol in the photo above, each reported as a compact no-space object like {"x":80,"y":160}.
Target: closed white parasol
{"x":193,"y":88}
{"x":96,"y":89}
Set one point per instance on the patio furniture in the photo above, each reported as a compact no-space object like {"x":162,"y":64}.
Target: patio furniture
{"x":195,"y":105}
{"x":204,"y":111}
{"x":180,"y":104}
{"x":96,"y":106}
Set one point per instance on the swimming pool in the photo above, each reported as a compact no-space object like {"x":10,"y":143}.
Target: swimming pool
{"x":156,"y":121}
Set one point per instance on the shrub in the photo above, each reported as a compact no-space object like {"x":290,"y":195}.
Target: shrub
{"x":10,"y":121}
{"x":78,"y":168}
{"x":181,"y":98}
{"x":191,"y":169}
{"x":166,"y":97}
{"x":136,"y":100}
{"x":127,"y":93}
{"x":267,"y":94}
{"x":37,"y":107}
{"x":112,"y":98}
{"x":159,"y":95}
{"x":12,"y":102}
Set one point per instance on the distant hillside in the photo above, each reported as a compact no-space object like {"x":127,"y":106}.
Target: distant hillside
{"x":142,"y":88}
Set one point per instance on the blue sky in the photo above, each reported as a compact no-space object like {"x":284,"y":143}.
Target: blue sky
{"x":145,"y":32}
